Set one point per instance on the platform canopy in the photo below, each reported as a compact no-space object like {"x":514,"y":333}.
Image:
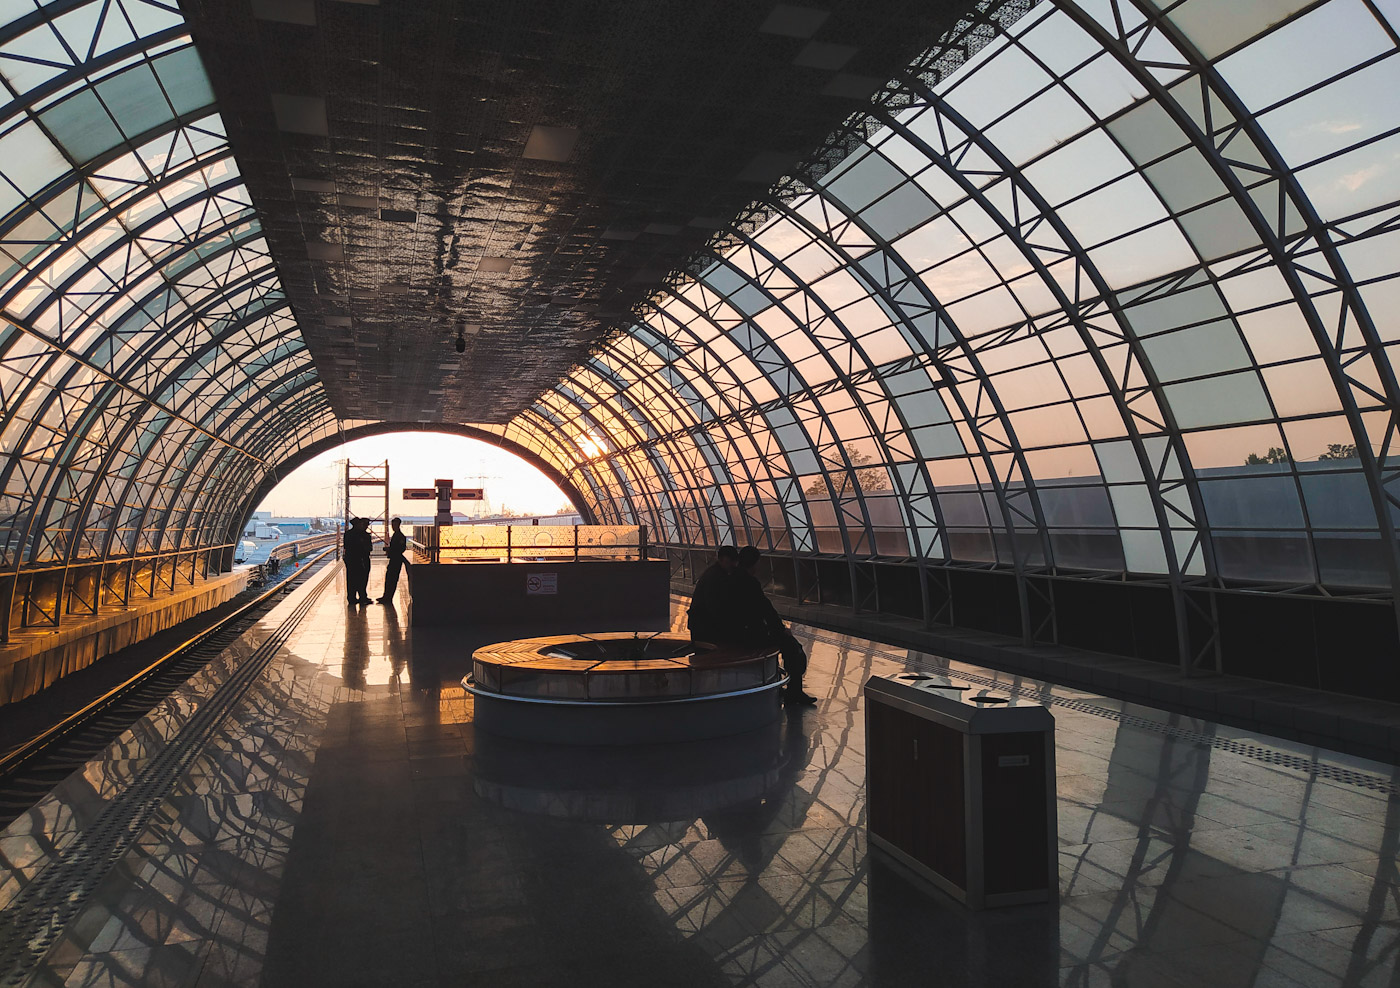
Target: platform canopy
{"x":521,"y":173}
{"x":1061,"y":296}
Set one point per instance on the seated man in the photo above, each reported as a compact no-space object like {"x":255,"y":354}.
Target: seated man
{"x":763,"y":626}
{"x":712,"y":605}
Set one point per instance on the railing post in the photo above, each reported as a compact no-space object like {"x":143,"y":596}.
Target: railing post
{"x":642,"y":543}
{"x":575,"y":543}
{"x":509,"y":533}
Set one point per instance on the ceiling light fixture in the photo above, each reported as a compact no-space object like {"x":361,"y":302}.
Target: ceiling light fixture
{"x":461,"y":343}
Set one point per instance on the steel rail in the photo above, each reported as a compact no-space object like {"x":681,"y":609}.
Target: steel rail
{"x":12,"y":760}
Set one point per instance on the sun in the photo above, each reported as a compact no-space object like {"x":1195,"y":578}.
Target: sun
{"x":591,"y":445}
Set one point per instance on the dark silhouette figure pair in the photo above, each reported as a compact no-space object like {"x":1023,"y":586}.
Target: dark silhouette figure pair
{"x":729,"y":607}
{"x":358,"y":546}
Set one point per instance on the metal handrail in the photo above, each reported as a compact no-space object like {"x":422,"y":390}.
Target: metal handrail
{"x":291,"y":550}
{"x":433,"y":550}
{"x":57,"y":732}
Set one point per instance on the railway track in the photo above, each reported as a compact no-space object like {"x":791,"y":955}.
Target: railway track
{"x":30,"y":771}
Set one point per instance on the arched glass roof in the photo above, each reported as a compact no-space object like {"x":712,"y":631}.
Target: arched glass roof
{"x":1118,"y":296}
{"x":151,"y":371}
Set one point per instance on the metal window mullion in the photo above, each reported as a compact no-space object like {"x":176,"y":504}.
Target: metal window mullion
{"x":851,"y":384}
{"x":739,"y":415}
{"x":1019,"y":566}
{"x":1073,"y":311}
{"x":1270,"y":241}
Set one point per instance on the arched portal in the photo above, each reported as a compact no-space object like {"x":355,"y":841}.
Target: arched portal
{"x":284,"y":468}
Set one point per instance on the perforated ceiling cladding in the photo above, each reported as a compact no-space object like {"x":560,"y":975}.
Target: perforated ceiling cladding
{"x":407,"y":191}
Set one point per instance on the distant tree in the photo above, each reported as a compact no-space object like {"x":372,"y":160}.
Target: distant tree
{"x":1273,"y":456}
{"x":869,"y":480}
{"x":1339,"y":451}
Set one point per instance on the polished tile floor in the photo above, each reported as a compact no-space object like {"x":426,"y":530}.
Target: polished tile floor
{"x":345,"y":825}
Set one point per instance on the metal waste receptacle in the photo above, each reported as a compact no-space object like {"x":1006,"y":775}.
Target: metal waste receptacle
{"x":961,"y":788}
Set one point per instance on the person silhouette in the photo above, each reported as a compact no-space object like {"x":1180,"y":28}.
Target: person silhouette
{"x":763,"y":625}
{"x":358,"y":545}
{"x":395,"y":548}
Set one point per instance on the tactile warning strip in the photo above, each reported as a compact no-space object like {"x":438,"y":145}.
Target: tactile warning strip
{"x":1272,"y":756}
{"x":36,"y":918}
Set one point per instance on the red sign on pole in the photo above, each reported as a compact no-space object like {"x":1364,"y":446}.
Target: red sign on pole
{"x":458,"y":493}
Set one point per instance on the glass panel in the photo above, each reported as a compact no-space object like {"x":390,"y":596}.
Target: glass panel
{"x":135,"y":100}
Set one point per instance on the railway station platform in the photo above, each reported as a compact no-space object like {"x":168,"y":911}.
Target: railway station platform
{"x":37,"y":657}
{"x":316,"y":808}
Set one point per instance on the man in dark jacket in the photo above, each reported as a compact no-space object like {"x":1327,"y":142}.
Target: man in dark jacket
{"x":764,"y":626}
{"x":713,"y":615}
{"x":396,"y":547}
{"x":358,"y":546}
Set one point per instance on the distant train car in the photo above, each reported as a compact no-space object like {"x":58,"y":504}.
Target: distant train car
{"x":245,"y":549}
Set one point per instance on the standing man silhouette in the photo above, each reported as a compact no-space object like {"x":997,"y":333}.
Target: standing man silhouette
{"x":358,"y":546}
{"x":395,"y":548}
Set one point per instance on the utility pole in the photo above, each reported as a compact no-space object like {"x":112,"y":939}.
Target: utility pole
{"x":479,"y":479}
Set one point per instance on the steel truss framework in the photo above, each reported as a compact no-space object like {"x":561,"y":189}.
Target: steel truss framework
{"x":151,"y":372}
{"x":1115,"y":301}
{"x":1091,"y":295}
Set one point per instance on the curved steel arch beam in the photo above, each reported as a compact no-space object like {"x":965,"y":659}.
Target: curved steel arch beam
{"x":1009,"y":514}
{"x":118,"y":444}
{"x":279,"y":470}
{"x":669,"y":328}
{"x":875,"y":431}
{"x":1280,"y":253}
{"x":736,"y":421}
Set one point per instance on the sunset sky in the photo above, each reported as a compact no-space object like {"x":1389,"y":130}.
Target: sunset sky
{"x":415,"y":460}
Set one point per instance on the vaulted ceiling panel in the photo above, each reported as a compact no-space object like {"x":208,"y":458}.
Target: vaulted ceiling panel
{"x":520,"y":173}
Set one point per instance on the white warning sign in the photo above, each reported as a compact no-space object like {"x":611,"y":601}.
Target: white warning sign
{"x":541,"y":583}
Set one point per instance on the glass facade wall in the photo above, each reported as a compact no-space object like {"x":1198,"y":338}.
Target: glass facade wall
{"x":151,"y":371}
{"x":1112,"y":297}
{"x":1118,"y":297}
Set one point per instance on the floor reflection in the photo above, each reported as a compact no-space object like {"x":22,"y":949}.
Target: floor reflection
{"x":349,"y":826}
{"x":638,"y":784}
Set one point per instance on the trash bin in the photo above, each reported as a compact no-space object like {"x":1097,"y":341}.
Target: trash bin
{"x":960,"y":788}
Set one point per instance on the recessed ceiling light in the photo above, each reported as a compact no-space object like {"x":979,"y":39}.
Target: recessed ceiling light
{"x":471,"y":329}
{"x":551,"y":143}
{"x":324,"y":252}
{"x":285,"y":11}
{"x":497,"y":265}
{"x":794,"y":22}
{"x":357,"y":202}
{"x":300,"y":114}
{"x":398,"y":215}
{"x":342,"y":322}
{"x":313,"y":185}
{"x":665,"y":229}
